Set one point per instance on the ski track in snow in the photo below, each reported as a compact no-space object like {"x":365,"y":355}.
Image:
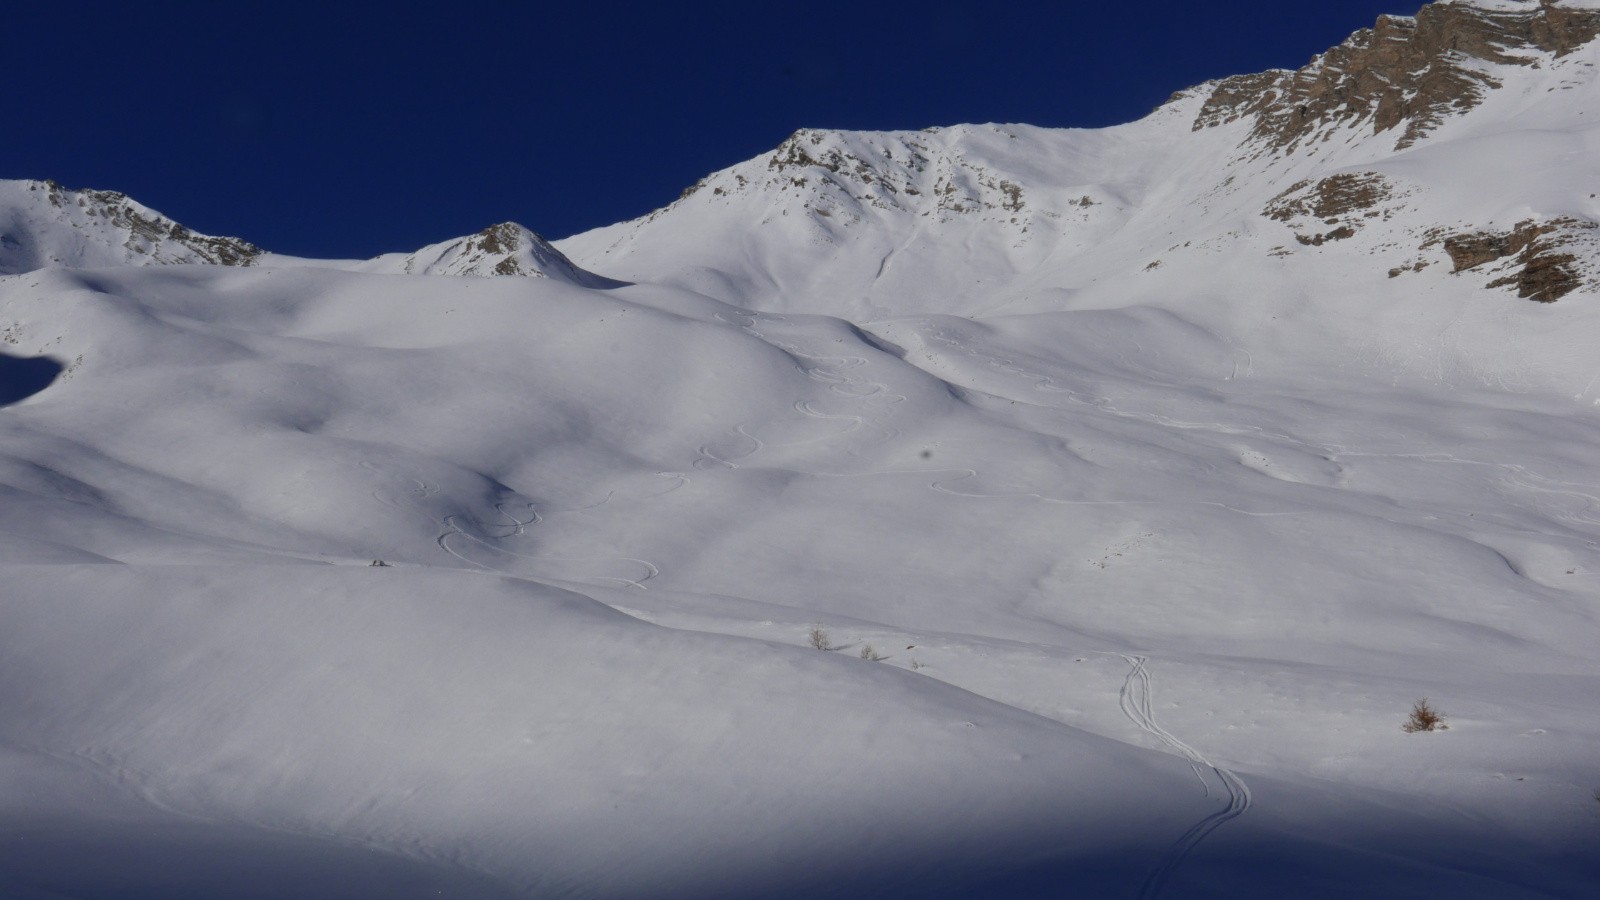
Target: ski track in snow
{"x":840,"y":374}
{"x":1135,"y":699}
{"x":642,"y":569}
{"x":831,"y":370}
{"x":489,"y":536}
{"x":1130,"y":405}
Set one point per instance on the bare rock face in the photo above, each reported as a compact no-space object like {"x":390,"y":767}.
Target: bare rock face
{"x":1473,"y":249}
{"x":1540,"y":258}
{"x":1406,"y":74}
{"x":1336,"y":207}
{"x":1545,"y":277}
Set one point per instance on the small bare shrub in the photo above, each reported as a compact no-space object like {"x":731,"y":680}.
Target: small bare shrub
{"x":868,"y":653}
{"x":819,"y":638}
{"x":1424,"y":718}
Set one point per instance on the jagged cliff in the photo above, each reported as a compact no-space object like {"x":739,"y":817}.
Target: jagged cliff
{"x":1403,"y":73}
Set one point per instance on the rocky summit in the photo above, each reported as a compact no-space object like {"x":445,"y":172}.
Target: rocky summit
{"x":1403,"y":73}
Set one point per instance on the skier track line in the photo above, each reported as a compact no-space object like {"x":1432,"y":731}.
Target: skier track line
{"x":1135,"y":700}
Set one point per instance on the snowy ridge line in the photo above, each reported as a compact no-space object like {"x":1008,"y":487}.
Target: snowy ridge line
{"x":1135,"y":699}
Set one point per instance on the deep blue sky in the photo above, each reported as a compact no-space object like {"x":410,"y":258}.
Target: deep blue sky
{"x":337,"y":131}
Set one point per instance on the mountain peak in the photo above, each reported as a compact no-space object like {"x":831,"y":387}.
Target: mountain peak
{"x":1404,"y":73}
{"x":499,"y":250}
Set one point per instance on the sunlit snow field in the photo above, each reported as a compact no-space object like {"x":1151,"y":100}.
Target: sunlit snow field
{"x":1120,"y":589}
{"x":1126,"y":575}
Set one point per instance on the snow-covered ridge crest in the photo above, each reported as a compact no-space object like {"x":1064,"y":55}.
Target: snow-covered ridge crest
{"x":504,"y":249}
{"x":44,"y":224}
{"x":858,"y":214}
{"x":902,"y":171}
{"x":840,"y":180}
{"x":1308,"y":164}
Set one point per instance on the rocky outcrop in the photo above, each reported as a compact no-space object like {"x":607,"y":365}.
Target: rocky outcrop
{"x":1545,"y":260}
{"x":1544,"y":277}
{"x":1405,"y":74}
{"x":1334,"y":208}
{"x":148,"y":230}
{"x":1332,"y":197}
{"x":1473,"y":249}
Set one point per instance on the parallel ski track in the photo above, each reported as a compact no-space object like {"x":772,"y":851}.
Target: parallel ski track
{"x":1135,"y":700}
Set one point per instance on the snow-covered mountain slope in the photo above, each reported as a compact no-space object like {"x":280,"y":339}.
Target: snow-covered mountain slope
{"x":1464,"y":124}
{"x":985,"y":512}
{"x":43,"y":224}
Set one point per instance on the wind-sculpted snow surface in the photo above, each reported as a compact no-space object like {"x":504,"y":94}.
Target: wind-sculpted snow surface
{"x":1019,"y":503}
{"x":1135,"y":482}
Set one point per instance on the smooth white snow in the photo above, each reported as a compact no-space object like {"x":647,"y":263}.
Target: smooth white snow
{"x":1159,"y":520}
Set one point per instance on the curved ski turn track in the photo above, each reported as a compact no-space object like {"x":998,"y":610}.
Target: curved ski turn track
{"x":1136,"y":705}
